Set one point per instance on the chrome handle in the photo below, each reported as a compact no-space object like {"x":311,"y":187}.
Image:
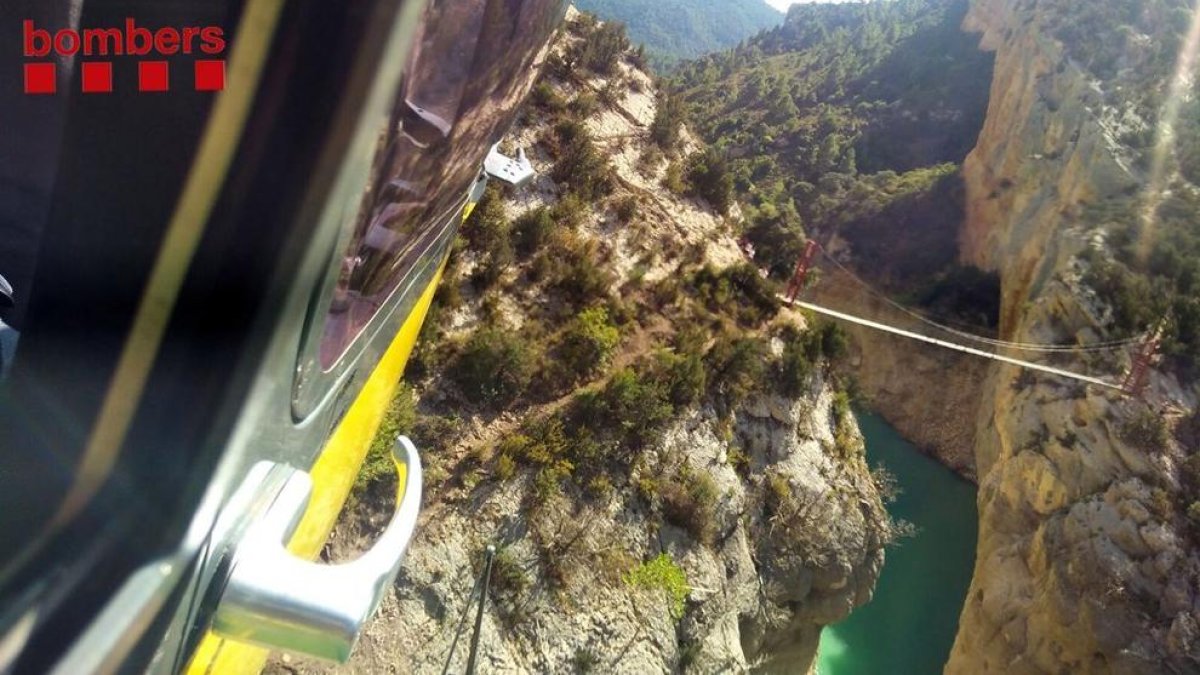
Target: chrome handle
{"x":277,"y":600}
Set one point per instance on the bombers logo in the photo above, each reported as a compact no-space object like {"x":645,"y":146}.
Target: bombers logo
{"x":154,"y":74}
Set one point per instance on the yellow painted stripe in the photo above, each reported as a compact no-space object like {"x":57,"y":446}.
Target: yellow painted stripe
{"x":333,"y":475}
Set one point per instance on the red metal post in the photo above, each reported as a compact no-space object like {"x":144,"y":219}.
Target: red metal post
{"x":800,"y":277}
{"x":1139,"y":372}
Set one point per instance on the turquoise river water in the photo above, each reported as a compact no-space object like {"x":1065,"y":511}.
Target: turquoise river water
{"x":909,"y":626}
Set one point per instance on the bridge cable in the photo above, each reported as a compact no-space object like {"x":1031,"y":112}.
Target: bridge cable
{"x":1017,"y":346}
{"x":480,"y":584}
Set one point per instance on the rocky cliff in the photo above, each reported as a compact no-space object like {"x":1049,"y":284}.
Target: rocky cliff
{"x":1085,"y":560}
{"x":562,"y":600}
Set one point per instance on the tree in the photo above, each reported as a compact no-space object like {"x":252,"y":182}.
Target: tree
{"x":709,"y":176}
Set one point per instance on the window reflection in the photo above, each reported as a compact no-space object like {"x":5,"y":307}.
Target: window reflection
{"x":473,"y":62}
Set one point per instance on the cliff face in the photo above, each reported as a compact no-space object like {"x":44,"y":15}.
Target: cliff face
{"x":928,"y":394}
{"x":759,"y":595}
{"x":1084,"y":564}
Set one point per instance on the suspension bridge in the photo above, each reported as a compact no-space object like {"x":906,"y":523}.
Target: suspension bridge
{"x":1133,"y":384}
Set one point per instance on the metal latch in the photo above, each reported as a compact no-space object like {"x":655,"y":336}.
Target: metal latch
{"x":280,"y":601}
{"x":515,"y":172}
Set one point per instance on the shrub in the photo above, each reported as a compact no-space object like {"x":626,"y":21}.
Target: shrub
{"x":709,"y":178}
{"x":600,"y":487}
{"x":581,"y":166}
{"x":494,"y":367}
{"x":630,"y":408}
{"x":842,"y":410}
{"x":569,"y":212}
{"x":661,"y":573}
{"x":584,"y":660}
{"x":532,"y":230}
{"x":794,"y":367}
{"x":738,"y":291}
{"x":545,"y":98}
{"x":602,"y":47}
{"x":506,"y":467}
{"x":1190,"y":470}
{"x":673,"y":179}
{"x":649,"y":160}
{"x":589,"y":342}
{"x":584,"y":105}
{"x":626,"y":209}
{"x":684,"y":375}
{"x":668,"y":118}
{"x":574,"y":272}
{"x":509,"y":578}
{"x":834,"y":343}
{"x":779,"y":500}
{"x":1146,"y":431}
{"x":488,"y":233}
{"x":690,"y":502}
{"x":736,"y":367}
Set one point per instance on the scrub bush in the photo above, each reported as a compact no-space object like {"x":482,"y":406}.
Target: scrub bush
{"x":494,"y":367}
{"x":532,"y":230}
{"x":589,"y":342}
{"x":662,"y":573}
{"x":690,"y":502}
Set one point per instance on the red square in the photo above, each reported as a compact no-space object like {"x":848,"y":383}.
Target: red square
{"x":97,"y":78}
{"x":153,"y":76}
{"x":210,"y":75}
{"x":41,"y":78}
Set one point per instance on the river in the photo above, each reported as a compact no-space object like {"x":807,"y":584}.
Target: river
{"x":909,"y":626}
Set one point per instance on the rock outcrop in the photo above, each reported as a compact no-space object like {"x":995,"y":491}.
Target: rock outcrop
{"x":1084,"y":562}
{"x":759,"y":594}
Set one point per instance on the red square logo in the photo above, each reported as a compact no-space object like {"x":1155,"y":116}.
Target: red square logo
{"x":210,"y":75}
{"x":41,"y":78}
{"x":97,"y":78}
{"x":153,"y":76}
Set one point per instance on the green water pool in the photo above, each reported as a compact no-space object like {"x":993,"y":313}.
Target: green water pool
{"x":909,"y":626}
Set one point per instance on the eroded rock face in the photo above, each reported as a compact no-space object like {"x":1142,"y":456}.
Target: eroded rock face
{"x":760,"y":591}
{"x":1083,"y":565}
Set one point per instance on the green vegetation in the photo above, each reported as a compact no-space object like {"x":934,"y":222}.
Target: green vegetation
{"x":663,"y":574}
{"x":494,"y":367}
{"x":580,"y":165}
{"x":602,"y":45}
{"x":1106,"y":36}
{"x":584,"y":660}
{"x":668,"y":120}
{"x":709,"y":178}
{"x":572,"y":266}
{"x":690,"y":501}
{"x":1163,"y":286}
{"x":849,"y":119}
{"x":1147,"y":431}
{"x":672,"y":30}
{"x":738,"y":291}
{"x":589,"y":342}
{"x":532,"y":230}
{"x":489,"y":233}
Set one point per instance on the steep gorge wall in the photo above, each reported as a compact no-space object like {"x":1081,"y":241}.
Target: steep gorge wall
{"x":1080,"y":568}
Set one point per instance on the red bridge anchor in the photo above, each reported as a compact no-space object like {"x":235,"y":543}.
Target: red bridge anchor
{"x":1143,"y":361}
{"x":800,"y":276}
